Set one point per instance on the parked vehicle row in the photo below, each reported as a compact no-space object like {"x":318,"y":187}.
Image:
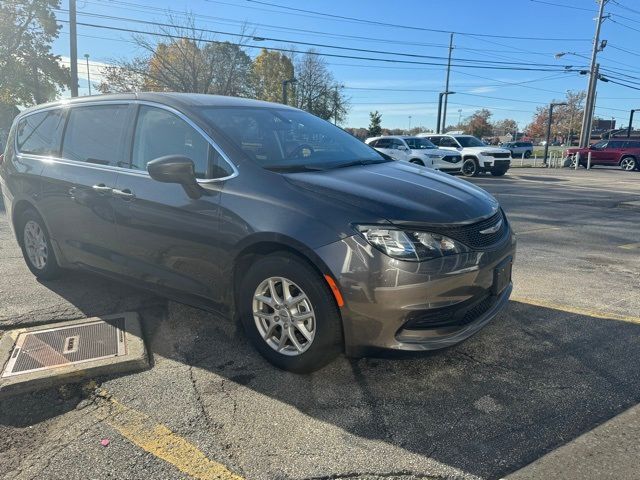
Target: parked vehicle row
{"x":622,"y":153}
{"x":316,"y":242}
{"x":518,"y":149}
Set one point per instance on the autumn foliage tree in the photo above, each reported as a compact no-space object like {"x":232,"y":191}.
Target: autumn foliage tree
{"x":567,"y":119}
{"x":479,"y":124}
{"x":270,"y":69}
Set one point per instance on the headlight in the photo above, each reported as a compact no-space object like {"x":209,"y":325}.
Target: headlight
{"x":410,"y":245}
{"x":433,"y":155}
{"x":486,"y":154}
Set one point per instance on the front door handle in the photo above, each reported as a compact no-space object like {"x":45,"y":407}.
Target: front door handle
{"x":125,"y":194}
{"x":100,"y":188}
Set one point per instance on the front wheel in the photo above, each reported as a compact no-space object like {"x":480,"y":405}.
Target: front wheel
{"x":628,"y":164}
{"x":290,"y":314}
{"x":498,"y":172}
{"x":470,"y":167}
{"x":36,"y":246}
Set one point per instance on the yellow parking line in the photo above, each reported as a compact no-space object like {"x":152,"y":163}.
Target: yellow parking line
{"x":161,"y":442}
{"x":577,"y":310}
{"x":630,"y":246}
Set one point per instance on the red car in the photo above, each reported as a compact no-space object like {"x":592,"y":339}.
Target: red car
{"x":624,"y":153}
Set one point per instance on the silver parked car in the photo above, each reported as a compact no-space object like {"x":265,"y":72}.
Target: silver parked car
{"x":417,"y":150}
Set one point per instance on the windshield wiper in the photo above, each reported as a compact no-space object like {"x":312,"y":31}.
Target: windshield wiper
{"x":359,"y":163}
{"x":294,"y":168}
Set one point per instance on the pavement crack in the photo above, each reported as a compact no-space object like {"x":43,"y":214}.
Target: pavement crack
{"x":199,"y":399}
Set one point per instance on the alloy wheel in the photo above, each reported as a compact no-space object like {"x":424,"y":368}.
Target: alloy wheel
{"x":284,"y":316}
{"x":35,"y":244}
{"x":628,"y":164}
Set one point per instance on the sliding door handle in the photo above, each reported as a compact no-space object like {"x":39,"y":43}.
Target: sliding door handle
{"x":125,"y":194}
{"x":101,"y":188}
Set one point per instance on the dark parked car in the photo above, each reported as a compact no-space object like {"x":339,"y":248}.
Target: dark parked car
{"x":316,"y":241}
{"x":624,"y":153}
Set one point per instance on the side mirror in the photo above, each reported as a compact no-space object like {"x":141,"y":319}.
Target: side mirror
{"x":403,"y":148}
{"x":176,"y":169}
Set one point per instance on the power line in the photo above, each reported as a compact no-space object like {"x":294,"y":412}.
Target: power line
{"x":311,"y":44}
{"x":320,"y":54}
{"x":394,"y":25}
{"x":573,"y":7}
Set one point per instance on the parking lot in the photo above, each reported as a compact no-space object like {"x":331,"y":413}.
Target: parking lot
{"x":548,"y":390}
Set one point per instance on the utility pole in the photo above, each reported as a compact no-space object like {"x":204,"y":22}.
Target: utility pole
{"x":446,"y":86}
{"x":630,"y":127}
{"x":335,"y":106}
{"x":440,"y":95}
{"x":73,"y":48}
{"x":585,"y":133}
{"x":546,"y":144}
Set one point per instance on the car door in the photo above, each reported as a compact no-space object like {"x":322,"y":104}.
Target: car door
{"x":614,"y":152}
{"x":598,"y":153}
{"x":384,"y":145}
{"x":169,"y":240}
{"x":399,"y":150}
{"x":76,"y":187}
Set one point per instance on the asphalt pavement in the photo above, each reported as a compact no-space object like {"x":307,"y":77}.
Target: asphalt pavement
{"x":550,"y":389}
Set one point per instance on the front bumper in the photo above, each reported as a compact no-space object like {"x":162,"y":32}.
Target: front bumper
{"x":394,"y":304}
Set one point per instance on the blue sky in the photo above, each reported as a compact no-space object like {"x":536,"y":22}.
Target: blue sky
{"x":383,"y":86}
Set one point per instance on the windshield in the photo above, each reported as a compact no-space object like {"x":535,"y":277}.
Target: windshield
{"x":419,"y":143}
{"x":290,"y":140}
{"x":470,"y":142}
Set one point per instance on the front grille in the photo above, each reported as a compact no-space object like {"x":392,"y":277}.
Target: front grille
{"x":452,"y":158}
{"x":501,"y":155}
{"x":455,"y":315}
{"x":470,"y":234}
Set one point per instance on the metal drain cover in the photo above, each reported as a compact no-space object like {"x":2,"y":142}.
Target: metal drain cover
{"x":39,"y":357}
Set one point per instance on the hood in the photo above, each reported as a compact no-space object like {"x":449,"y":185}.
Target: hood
{"x":402,"y":193}
{"x":487,"y":148}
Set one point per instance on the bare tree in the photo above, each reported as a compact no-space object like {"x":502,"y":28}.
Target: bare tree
{"x":181,"y":57}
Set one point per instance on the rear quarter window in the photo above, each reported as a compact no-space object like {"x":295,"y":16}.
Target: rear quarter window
{"x":40,"y":133}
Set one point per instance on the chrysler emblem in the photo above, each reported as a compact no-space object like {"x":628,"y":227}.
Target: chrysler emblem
{"x":493,"y":229}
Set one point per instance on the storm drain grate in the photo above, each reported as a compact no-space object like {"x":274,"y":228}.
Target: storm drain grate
{"x":72,"y":344}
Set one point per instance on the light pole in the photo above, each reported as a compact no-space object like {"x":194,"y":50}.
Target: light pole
{"x":459,"y":116}
{"x":73,"y":48}
{"x":440,"y":95}
{"x":630,"y":127}
{"x":284,"y":89}
{"x":546,"y":144}
{"x":86,"y":56}
{"x":409,"y":130}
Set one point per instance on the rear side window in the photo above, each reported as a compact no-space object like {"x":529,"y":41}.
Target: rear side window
{"x":40,"y":133}
{"x":160,"y":133}
{"x":615,"y":144}
{"x":632,"y":144}
{"x":96,"y":134}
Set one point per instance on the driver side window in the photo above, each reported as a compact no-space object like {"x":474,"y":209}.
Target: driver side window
{"x":159,"y":133}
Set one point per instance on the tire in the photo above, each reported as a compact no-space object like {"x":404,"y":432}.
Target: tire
{"x":36,"y":246}
{"x":628,"y":163}
{"x":324,"y":324}
{"x":498,"y":172}
{"x":470,"y":167}
{"x":527,"y":154}
{"x":416,"y":161}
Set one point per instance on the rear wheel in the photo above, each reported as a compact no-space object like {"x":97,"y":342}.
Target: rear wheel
{"x":36,"y":246}
{"x":470,"y":167}
{"x":628,"y":163}
{"x":527,"y":154}
{"x":290,"y":314}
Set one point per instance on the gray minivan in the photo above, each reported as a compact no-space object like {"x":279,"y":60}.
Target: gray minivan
{"x":313,"y":240}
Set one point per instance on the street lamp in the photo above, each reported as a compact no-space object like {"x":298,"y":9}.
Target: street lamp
{"x":408,"y":131}
{"x":442,"y":94}
{"x":86,"y":56}
{"x":631,"y":122}
{"x":459,"y":116}
{"x":562,"y":54}
{"x":284,"y":88}
{"x":546,"y":144}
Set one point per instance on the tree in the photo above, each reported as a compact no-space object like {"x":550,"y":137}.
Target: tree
{"x":567,"y":119}
{"x":193,"y":61}
{"x":29,"y":72}
{"x":478,"y":124}
{"x":269,"y":70}
{"x":375,"y":124}
{"x":504,"y":127}
{"x":316,"y":90}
